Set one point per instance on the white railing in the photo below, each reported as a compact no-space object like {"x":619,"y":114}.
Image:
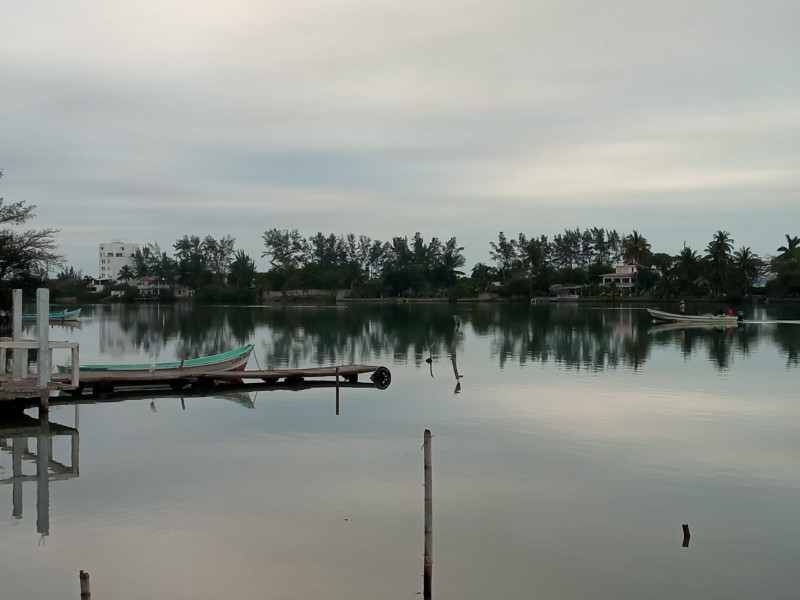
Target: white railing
{"x":24,"y":346}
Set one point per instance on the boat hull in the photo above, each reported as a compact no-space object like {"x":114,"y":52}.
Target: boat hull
{"x":57,"y":316}
{"x":667,"y":317}
{"x":233,"y":360}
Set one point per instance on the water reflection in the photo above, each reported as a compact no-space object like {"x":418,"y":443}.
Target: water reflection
{"x":574,"y":336}
{"x":16,"y":432}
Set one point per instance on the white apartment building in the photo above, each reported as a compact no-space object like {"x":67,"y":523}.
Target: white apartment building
{"x":113,"y":256}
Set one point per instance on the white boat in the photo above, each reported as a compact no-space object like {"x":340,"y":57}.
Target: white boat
{"x":668,"y":317}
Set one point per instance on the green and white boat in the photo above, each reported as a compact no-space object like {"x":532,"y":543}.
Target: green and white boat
{"x":232,"y":360}
{"x":58,"y":315}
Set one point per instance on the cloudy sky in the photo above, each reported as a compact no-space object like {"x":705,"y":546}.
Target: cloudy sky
{"x":146,"y":121}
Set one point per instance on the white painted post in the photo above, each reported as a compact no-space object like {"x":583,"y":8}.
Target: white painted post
{"x":19,"y":355}
{"x":75,"y":355}
{"x":43,"y":367}
{"x":43,"y":362}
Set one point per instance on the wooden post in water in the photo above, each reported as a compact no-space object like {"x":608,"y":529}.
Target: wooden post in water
{"x":85,"y":593}
{"x":43,"y":366}
{"x":686,"y":535}
{"x":44,"y":444}
{"x":337,"y":391}
{"x":19,"y":356}
{"x":427,"y":569}
{"x":16,"y":471}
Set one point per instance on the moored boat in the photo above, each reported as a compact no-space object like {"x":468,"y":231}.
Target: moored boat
{"x":232,"y":360}
{"x":668,"y":317}
{"x":58,"y":315}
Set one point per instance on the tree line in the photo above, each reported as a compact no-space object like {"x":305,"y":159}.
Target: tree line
{"x":522,"y":266}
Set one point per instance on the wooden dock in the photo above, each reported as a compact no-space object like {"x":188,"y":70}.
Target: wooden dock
{"x":19,"y":386}
{"x":106,"y":383}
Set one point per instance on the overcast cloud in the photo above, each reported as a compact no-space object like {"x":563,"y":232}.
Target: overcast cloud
{"x":146,"y":121}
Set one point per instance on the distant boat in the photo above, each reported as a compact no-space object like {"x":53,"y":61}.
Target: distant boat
{"x":667,"y":317}
{"x":232,"y":360}
{"x":59,"y":315}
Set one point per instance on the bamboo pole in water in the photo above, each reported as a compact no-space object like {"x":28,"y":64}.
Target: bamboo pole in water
{"x":85,"y":593}
{"x":337,"y":391}
{"x":427,"y":570}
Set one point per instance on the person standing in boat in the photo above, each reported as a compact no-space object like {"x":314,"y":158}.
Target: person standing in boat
{"x":682,"y":307}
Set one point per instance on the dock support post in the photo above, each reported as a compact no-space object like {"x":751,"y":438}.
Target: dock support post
{"x":427,"y":569}
{"x":85,"y":593}
{"x":18,"y":356}
{"x":16,"y":471}
{"x":43,"y":366}
{"x":337,"y":391}
{"x":43,"y":452}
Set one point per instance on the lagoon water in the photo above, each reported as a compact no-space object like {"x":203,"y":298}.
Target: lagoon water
{"x":566,"y":457}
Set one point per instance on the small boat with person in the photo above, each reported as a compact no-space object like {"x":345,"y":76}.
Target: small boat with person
{"x":232,"y":360}
{"x":57,"y":316}
{"x":660,"y":316}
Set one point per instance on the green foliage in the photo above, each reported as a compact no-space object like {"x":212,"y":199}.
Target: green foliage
{"x":463,"y":288}
{"x":25,"y":255}
{"x":786,"y":268}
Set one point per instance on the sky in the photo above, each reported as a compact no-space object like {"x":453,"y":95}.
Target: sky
{"x":147,"y":121}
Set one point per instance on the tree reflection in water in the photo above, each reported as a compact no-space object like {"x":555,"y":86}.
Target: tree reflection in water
{"x":581,"y":337}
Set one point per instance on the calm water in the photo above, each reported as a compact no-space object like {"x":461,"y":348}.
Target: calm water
{"x":566,"y":457}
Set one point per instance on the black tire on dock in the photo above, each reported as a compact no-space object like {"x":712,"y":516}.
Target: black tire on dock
{"x":204,"y":385}
{"x":381,"y":377}
{"x":103,"y":388}
{"x":178,"y":384}
{"x":270,"y":380}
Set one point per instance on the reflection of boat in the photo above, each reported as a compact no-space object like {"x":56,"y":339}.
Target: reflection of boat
{"x":662,"y":327}
{"x":241,"y":398}
{"x":233,"y":360}
{"x":58,"y":315}
{"x":662,"y":316}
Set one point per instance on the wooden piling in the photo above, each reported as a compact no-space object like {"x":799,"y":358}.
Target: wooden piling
{"x":686,"y":535}
{"x":427,"y":569}
{"x":44,"y":450}
{"x":85,"y":593}
{"x":337,"y":391}
{"x":19,"y":365}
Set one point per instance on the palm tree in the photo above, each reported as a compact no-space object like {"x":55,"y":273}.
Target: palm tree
{"x":687,"y":266}
{"x":791,"y":244}
{"x":125,"y":274}
{"x":635,"y":248}
{"x":718,"y":256}
{"x":748,"y":266}
{"x":636,"y":251}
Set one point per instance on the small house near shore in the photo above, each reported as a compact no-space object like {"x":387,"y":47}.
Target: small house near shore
{"x":624,"y":276}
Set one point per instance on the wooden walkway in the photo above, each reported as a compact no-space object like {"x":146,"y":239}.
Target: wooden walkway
{"x":107,"y":382}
